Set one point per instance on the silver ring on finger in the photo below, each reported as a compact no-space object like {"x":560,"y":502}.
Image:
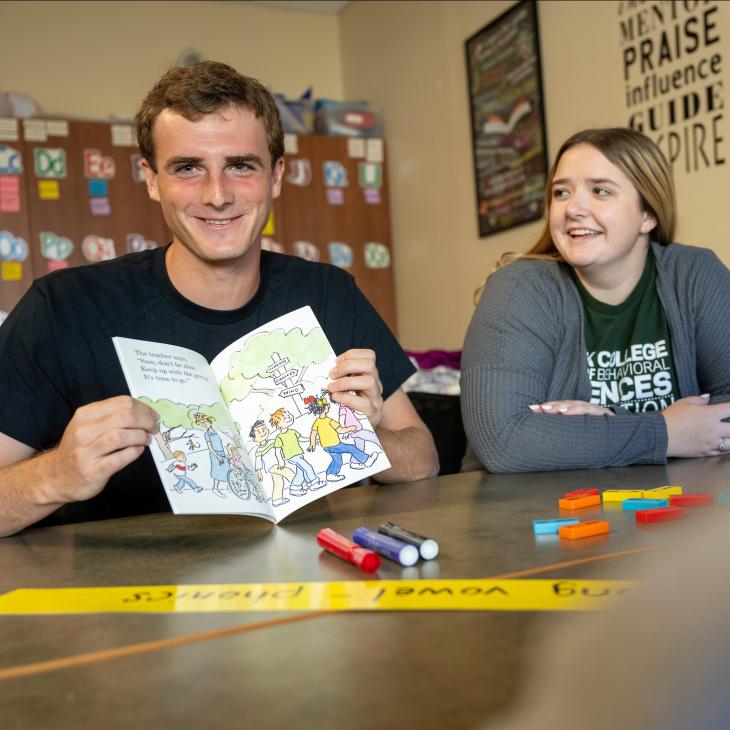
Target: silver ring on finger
{"x":722,"y":446}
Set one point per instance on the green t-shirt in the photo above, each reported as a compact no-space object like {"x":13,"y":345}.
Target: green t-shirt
{"x":288,"y":442}
{"x":628,"y":348}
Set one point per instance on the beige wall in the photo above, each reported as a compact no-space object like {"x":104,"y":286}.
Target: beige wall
{"x":98,"y":59}
{"x":409,"y":57}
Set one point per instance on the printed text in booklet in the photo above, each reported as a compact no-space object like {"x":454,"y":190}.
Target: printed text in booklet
{"x":254,"y":432}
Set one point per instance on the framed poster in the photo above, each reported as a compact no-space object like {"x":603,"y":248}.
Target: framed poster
{"x":507,"y":119}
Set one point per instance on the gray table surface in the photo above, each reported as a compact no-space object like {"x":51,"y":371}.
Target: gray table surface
{"x":355,"y":670}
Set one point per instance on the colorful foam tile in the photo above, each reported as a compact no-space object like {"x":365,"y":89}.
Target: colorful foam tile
{"x":659,"y":514}
{"x":662,"y":492}
{"x":589,"y":528}
{"x":619,"y":495}
{"x":551,"y":527}
{"x":590,"y":500}
{"x":694,"y":499}
{"x":643,"y":503}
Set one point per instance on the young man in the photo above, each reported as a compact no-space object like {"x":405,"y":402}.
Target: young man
{"x":213,"y":157}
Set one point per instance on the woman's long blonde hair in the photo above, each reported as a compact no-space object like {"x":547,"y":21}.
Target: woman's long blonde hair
{"x":640,"y":160}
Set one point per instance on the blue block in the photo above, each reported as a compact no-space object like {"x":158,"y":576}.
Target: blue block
{"x":723,"y":498}
{"x":551,"y":527}
{"x":644,"y":503}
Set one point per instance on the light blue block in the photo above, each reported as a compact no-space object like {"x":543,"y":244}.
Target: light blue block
{"x":644,"y":503}
{"x":723,"y":498}
{"x":551,"y":527}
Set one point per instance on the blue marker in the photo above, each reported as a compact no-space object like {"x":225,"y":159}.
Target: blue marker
{"x":402,"y":553}
{"x":644,"y":503}
{"x":551,"y":527}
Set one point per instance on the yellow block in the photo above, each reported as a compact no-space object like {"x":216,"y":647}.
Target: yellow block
{"x":662,"y":492}
{"x":384,"y":595}
{"x":619,"y":495}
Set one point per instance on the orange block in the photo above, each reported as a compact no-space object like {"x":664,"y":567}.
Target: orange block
{"x":589,"y":528}
{"x":579,"y":502}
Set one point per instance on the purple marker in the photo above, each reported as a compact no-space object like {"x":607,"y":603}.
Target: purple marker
{"x":427,"y":546}
{"x":402,"y":553}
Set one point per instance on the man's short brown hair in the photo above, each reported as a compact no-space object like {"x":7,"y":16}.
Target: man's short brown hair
{"x":202,"y":89}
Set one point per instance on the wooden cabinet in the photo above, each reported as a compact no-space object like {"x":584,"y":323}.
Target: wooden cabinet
{"x":72,"y":193}
{"x":334,"y":208}
{"x":81,"y":199}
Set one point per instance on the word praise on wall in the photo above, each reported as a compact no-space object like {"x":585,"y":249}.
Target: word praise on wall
{"x":672,"y":71}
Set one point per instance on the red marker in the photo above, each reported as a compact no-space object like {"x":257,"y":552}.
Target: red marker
{"x":340,"y":546}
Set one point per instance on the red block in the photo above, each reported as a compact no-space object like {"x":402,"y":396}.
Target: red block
{"x":580,"y":493}
{"x":691,"y":500}
{"x":659,"y":514}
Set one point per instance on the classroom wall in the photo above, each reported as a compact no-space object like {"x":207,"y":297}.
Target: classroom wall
{"x":409,"y":57}
{"x":98,"y":59}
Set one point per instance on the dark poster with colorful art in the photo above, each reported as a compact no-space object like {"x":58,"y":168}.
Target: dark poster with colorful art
{"x":507,"y":119}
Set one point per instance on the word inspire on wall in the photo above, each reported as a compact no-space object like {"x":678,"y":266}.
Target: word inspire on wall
{"x":672,"y":71}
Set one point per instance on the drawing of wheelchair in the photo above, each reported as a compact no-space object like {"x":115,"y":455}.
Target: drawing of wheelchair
{"x":243,"y":483}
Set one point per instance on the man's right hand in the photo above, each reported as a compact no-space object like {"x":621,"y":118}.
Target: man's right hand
{"x":100,"y":440}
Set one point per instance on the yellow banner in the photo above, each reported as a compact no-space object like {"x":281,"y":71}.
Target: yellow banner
{"x":385,"y":595}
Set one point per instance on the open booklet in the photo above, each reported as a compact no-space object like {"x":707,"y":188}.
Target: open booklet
{"x":254,"y":432}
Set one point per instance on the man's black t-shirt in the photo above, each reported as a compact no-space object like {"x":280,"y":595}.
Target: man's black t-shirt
{"x":56,"y":351}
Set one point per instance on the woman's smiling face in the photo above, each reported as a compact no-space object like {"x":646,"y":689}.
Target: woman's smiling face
{"x":596,"y":218}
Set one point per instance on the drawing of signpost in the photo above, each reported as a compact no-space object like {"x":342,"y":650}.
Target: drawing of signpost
{"x":282,"y":376}
{"x":279,"y":357}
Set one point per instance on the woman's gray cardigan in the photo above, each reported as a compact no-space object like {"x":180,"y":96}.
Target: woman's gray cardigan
{"x":525,"y":344}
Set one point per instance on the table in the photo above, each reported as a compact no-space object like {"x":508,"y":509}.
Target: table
{"x":354,"y":670}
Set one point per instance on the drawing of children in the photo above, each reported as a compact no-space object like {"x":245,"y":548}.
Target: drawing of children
{"x":236,"y":462}
{"x":288,"y":450}
{"x":327,"y":431}
{"x":360,"y":435}
{"x":179,"y":468}
{"x":218,"y":461}
{"x":265,"y":461}
{"x":234,"y":457}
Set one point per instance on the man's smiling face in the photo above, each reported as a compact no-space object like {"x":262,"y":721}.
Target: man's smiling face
{"x":215,"y":181}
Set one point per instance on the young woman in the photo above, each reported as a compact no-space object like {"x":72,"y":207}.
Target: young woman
{"x":605,"y":344}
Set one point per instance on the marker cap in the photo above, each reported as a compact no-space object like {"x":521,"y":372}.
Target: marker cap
{"x":427,"y":546}
{"x":396,"y":550}
{"x":429,"y":549}
{"x":366,"y":560}
{"x":339,"y":545}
